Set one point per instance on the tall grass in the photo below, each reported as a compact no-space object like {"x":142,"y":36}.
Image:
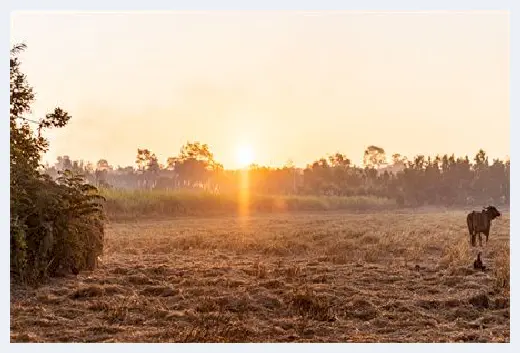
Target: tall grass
{"x":131,"y":204}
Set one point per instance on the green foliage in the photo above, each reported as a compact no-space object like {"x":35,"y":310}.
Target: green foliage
{"x":134,"y":204}
{"x":56,"y":226}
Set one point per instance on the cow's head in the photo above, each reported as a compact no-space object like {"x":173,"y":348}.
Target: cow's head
{"x":492,"y":212}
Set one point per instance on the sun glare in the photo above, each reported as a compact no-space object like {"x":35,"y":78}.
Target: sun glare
{"x":244,"y":156}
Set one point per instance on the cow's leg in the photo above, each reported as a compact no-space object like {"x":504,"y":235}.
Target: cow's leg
{"x":480,"y":238}
{"x":473,"y":238}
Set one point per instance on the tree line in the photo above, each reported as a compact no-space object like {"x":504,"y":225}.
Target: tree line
{"x":422,"y":180}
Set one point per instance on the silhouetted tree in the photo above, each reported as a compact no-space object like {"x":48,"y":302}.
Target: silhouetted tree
{"x":374,"y":157}
{"x":194,"y":165}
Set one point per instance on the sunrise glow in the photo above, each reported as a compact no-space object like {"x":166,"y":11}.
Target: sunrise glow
{"x":244,"y":156}
{"x":272,"y":80}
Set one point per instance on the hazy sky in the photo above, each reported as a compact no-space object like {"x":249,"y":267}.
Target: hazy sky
{"x":292,"y":85}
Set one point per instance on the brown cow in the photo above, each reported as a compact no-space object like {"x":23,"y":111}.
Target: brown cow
{"x":480,"y":222}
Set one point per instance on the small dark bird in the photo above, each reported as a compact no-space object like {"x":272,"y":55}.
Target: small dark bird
{"x":477,"y":264}
{"x":74,"y":270}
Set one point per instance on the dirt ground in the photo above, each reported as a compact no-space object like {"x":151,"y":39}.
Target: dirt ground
{"x":307,"y":277}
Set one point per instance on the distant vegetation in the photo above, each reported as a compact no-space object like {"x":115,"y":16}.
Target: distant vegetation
{"x":437,"y":181}
{"x":157,"y":203}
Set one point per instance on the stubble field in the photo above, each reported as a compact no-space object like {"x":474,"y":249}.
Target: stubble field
{"x":304,"y":277}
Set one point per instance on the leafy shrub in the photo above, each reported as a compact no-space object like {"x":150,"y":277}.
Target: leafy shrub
{"x":56,"y":226}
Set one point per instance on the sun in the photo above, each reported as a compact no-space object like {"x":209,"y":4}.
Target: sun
{"x":244,"y":156}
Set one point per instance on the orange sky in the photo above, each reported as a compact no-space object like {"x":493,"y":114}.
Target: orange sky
{"x":289,"y":85}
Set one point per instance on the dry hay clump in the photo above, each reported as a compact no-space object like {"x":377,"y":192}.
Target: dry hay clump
{"x":308,"y":304}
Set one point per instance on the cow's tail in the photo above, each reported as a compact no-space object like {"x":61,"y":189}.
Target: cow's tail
{"x":471,"y":228}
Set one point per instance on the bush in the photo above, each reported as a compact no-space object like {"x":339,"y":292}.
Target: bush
{"x":56,"y":226}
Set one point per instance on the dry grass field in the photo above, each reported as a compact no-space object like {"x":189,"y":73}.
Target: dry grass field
{"x":301,"y":277}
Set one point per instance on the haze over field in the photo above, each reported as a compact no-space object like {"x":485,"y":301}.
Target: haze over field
{"x":270,"y":86}
{"x":260,"y":177}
